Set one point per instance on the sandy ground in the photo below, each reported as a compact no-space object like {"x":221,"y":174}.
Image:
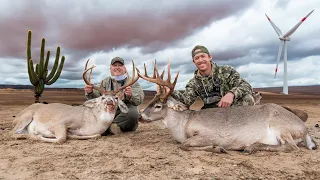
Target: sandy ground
{"x":148,"y":153}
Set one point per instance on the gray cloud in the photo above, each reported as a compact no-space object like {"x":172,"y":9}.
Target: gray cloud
{"x":90,"y":26}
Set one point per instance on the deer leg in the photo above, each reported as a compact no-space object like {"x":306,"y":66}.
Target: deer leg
{"x":20,"y":136}
{"x":287,"y":147}
{"x":95,"y":136}
{"x":60,"y":132}
{"x":201,"y":144}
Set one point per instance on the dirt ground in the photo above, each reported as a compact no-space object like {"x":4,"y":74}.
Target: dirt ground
{"x":148,"y":153}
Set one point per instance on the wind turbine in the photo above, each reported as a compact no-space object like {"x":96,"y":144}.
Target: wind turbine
{"x":283,"y":43}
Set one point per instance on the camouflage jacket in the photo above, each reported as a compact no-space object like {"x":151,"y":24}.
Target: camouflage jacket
{"x":212,"y":88}
{"x":137,"y":93}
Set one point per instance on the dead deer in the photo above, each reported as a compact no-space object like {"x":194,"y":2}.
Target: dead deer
{"x":58,"y":122}
{"x":268,"y":127}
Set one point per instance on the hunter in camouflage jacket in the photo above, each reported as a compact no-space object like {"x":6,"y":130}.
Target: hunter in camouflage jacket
{"x":212,"y":88}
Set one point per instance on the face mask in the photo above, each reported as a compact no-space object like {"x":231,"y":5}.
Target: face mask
{"x":119,"y":78}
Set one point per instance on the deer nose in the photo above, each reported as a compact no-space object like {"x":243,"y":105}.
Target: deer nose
{"x":110,"y":101}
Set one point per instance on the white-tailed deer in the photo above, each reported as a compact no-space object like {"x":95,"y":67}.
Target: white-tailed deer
{"x":267,"y":127}
{"x":58,"y":122}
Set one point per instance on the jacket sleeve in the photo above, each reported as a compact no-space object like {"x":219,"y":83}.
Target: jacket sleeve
{"x":137,"y":95}
{"x":95,"y":93}
{"x":238,"y":86}
{"x":189,"y":96}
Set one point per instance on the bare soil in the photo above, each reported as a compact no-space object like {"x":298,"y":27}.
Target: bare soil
{"x":148,"y":153}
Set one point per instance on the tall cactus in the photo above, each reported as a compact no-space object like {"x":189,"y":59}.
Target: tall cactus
{"x":40,"y":77}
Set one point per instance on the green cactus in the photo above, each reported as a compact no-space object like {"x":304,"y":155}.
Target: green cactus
{"x":40,"y":77}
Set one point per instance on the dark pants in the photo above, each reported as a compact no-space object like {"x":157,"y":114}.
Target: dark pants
{"x":126,"y":121}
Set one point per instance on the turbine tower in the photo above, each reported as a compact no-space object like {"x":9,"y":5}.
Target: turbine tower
{"x":283,"y":43}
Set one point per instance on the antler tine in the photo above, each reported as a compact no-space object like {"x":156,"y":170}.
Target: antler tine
{"x":155,"y":69}
{"x":155,"y":72}
{"x":145,"y":70}
{"x":133,"y":70}
{"x":88,"y":82}
{"x":90,"y":75}
{"x":85,"y":67}
{"x":161,"y":76}
{"x":84,"y":75}
{"x":169,"y":75}
{"x":176,"y":78}
{"x":173,"y":85}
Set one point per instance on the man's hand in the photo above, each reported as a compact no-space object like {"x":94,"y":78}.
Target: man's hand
{"x":226,"y":100}
{"x":88,"y":88}
{"x":128,"y":91}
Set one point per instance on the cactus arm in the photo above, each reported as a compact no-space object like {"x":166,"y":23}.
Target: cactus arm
{"x":29,"y":47}
{"x":55,"y":65}
{"x":41,"y":64}
{"x":46,"y":66}
{"x":56,"y":76}
{"x":37,"y":70}
{"x":32,"y":75}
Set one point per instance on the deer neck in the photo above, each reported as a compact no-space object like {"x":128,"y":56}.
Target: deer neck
{"x":102,"y":116}
{"x":176,"y":122}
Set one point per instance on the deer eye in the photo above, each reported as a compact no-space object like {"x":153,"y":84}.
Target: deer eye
{"x":103,"y":98}
{"x":157,"y":106}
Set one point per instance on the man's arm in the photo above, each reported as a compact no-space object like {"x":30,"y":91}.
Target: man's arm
{"x":189,"y":96}
{"x":95,"y":93}
{"x":239,"y":86}
{"x":137,"y":95}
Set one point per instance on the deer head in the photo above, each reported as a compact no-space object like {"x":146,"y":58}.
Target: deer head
{"x":156,"y":109}
{"x":112,"y":99}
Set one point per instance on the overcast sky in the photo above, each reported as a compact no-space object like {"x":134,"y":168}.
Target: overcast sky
{"x":237,"y":33}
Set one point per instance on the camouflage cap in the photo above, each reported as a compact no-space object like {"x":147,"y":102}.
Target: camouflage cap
{"x":117,"y":59}
{"x":201,"y":49}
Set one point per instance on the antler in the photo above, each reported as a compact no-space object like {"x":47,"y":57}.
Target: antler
{"x":87,"y":81}
{"x":158,"y":79}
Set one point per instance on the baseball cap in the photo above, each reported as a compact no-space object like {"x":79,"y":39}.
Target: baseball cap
{"x":117,"y":59}
{"x":201,"y":49}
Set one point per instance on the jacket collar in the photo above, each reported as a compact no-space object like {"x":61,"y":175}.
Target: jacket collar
{"x":213,"y":70}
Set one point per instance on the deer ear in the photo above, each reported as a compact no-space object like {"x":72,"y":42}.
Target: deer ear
{"x":91,"y":103}
{"x":123,"y":107}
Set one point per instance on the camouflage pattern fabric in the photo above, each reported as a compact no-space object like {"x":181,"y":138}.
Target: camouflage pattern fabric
{"x":212,"y":88}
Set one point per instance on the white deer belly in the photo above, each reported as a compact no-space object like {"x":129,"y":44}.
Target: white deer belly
{"x":271,"y":137}
{"x":178,"y":135}
{"x":38,"y":128}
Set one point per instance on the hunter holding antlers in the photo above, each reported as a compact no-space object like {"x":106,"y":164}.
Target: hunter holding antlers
{"x":217,"y":86}
{"x":132,"y":95}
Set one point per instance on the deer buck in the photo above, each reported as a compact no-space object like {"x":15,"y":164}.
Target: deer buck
{"x":268,"y":127}
{"x":58,"y":122}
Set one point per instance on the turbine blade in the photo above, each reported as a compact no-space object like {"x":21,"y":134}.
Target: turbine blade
{"x":291,"y":31}
{"x":278,"y":31}
{"x":278,"y":58}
